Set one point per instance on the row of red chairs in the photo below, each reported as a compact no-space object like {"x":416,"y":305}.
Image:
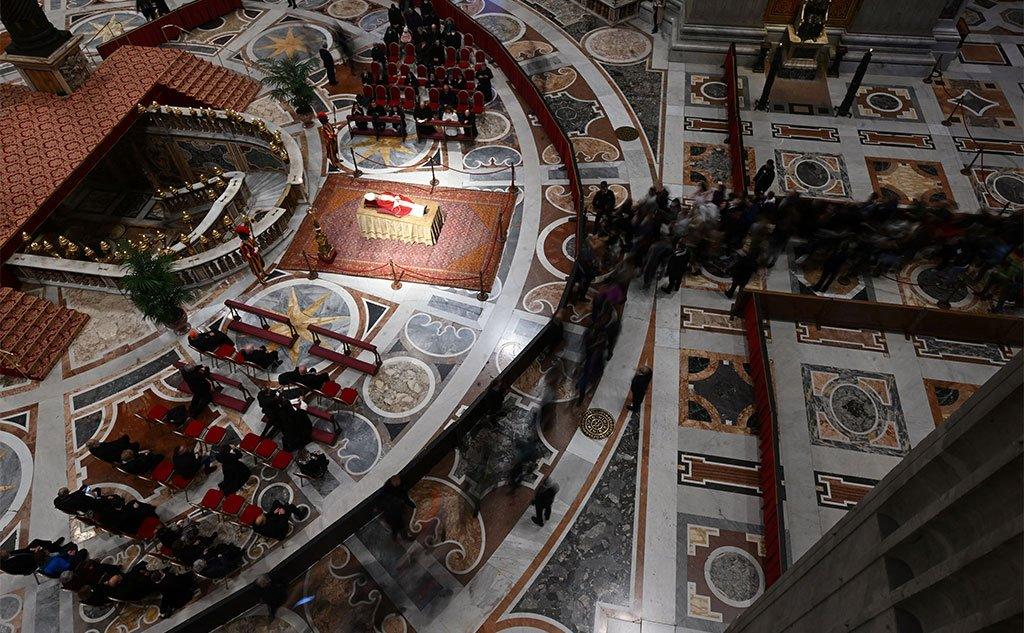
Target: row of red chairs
{"x":396,"y":97}
{"x":267,"y":450}
{"x":397,"y":74}
{"x":232,"y":507}
{"x":462,"y":57}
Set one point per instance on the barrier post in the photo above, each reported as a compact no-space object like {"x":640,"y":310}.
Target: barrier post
{"x":433,"y":178}
{"x":512,"y":187}
{"x":355,"y":166}
{"x":501,"y":233}
{"x":312,"y":269}
{"x":396,"y":283}
{"x":482,"y":295}
{"x":966,"y":171}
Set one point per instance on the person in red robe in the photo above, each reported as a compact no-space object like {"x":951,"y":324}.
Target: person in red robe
{"x":251,"y":253}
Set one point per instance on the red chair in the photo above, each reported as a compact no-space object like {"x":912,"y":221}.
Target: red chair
{"x":281,"y":460}
{"x":457,"y":74}
{"x":232,"y":504}
{"x":449,"y":56}
{"x":478,"y":102}
{"x":434,"y":98}
{"x":156,"y":414}
{"x":421,"y":73}
{"x":250,"y":442}
{"x":224,"y":352}
{"x":393,"y":52}
{"x":409,"y":100}
{"x":375,"y":69}
{"x":439,"y":75}
{"x":410,"y":54}
{"x":381,"y":95}
{"x":392,"y":72}
{"x":148,"y":528}
{"x":214,"y":435}
{"x":163,"y":471}
{"x":467,"y":40}
{"x":265,"y":449}
{"x":249,"y":515}
{"x":396,"y":97}
{"x":193,"y":429}
{"x":463,"y":100}
{"x":480,"y":59}
{"x":368,"y":92}
{"x":211,"y":500}
{"x":464,"y":57}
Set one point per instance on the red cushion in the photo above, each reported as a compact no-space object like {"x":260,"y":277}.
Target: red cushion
{"x":193,"y":429}
{"x":281,"y":460}
{"x":330,"y":388}
{"x":180,"y":482}
{"x":212,"y":498}
{"x":225,"y":350}
{"x":348,"y":395}
{"x":162,"y":471}
{"x":250,"y":514}
{"x":232,"y":504}
{"x":214,"y":434}
{"x":249,"y":442}
{"x":148,"y":528}
{"x":265,"y":448}
{"x":157,"y":412}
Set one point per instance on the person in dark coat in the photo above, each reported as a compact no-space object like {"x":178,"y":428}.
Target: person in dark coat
{"x":77,"y":502}
{"x":21,"y":562}
{"x":678,"y":264}
{"x":262,"y":357}
{"x":132,"y":586}
{"x":328,"y":61}
{"x":394,"y":502}
{"x":161,"y":7}
{"x":395,"y":17}
{"x":274,"y":524}
{"x":742,"y":271}
{"x":139,"y":462}
{"x":764,"y":177}
{"x":638,"y":388}
{"x":236,"y":473}
{"x":176,"y":590}
{"x":187,"y":463}
{"x":273,"y":594}
{"x":483,"y":82}
{"x":112,"y":451}
{"x":542,"y":501}
{"x":209,"y":340}
{"x":604,"y":199}
{"x":200,"y":383}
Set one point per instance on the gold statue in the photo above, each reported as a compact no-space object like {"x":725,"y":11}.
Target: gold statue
{"x":324,"y":251}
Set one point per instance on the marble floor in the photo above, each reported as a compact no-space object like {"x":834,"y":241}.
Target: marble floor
{"x":656,"y":528}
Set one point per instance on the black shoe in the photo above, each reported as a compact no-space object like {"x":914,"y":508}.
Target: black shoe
{"x":537,"y":521}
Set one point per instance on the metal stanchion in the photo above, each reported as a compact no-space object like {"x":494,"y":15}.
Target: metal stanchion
{"x":948,"y":121}
{"x":482,"y":295}
{"x":433,"y":177}
{"x":312,"y":269}
{"x":967,"y":170}
{"x":355,"y":166}
{"x":396,"y":283}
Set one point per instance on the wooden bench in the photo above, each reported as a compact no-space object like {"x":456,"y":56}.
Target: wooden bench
{"x":345,"y":358}
{"x":439,"y":134}
{"x":231,"y":402}
{"x":264,"y":332}
{"x":387,"y":130}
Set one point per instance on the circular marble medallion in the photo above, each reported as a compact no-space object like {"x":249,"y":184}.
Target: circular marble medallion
{"x":374,"y":20}
{"x":714,"y":90}
{"x":1008,"y":186}
{"x":347,"y":9}
{"x":289,"y":40}
{"x":505,"y":27}
{"x":492,"y":126}
{"x":276,"y":491}
{"x":104,"y":27}
{"x":811,"y":173}
{"x":627,"y":133}
{"x":734,"y":576}
{"x":15,"y":476}
{"x":617,"y":45}
{"x":597,"y":424}
{"x":853,"y":410}
{"x":934,"y":283}
{"x":436,"y":337}
{"x":402,"y":386}
{"x":884,"y":102}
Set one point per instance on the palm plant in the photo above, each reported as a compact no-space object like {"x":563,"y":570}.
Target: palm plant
{"x":153,"y":288}
{"x":287,"y":79}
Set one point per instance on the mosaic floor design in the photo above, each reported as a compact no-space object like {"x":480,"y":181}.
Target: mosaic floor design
{"x":17,"y":448}
{"x":721,"y":565}
{"x":842,"y":492}
{"x":708,"y":91}
{"x":981,"y":353}
{"x":983,"y":53}
{"x":854,"y":410}
{"x":867,"y":340}
{"x":887,"y":102}
{"x":909,"y":180}
{"x":710,"y":163}
{"x":804,"y":276}
{"x":812,"y":173}
{"x":945,"y":397}
{"x":922,"y":283}
{"x":998,"y":188}
{"x":715,"y":392}
{"x":994,"y":17}
{"x":980,"y":103}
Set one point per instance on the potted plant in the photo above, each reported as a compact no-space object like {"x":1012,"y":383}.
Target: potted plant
{"x":153,"y":288}
{"x":288,"y":81}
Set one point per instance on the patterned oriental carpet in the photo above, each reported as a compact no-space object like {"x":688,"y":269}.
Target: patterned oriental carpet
{"x":468,"y":245}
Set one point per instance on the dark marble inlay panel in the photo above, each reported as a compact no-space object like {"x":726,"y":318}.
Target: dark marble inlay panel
{"x":107,"y":389}
{"x":642,"y":89}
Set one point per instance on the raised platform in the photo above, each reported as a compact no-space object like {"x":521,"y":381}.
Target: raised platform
{"x":468,"y":248}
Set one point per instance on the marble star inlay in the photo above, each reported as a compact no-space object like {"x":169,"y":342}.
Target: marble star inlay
{"x":973,"y":102}
{"x":302,"y":318}
{"x":289,"y":45}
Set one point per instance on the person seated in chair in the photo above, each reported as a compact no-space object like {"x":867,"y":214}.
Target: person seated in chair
{"x":79,"y":502}
{"x":424,"y":113}
{"x":64,"y":560}
{"x":139,"y":462}
{"x":398,"y":125}
{"x":483,"y":82}
{"x":88,"y":573}
{"x":200,"y":382}
{"x":24,"y":561}
{"x":450,"y":116}
{"x":124,"y":517}
{"x":176,"y":590}
{"x":468,"y":119}
{"x":131,"y":586}
{"x":187,"y":462}
{"x":297,"y":430}
{"x":358,"y":111}
{"x":312,"y":464}
{"x":274,"y":524}
{"x":447,"y":99}
{"x":457,"y":81}
{"x":191,"y":544}
{"x":209,"y":340}
{"x":305,"y":376}
{"x":261,"y":357}
{"x":219,"y":560}
{"x":236,"y":473}
{"x":111,"y":451}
